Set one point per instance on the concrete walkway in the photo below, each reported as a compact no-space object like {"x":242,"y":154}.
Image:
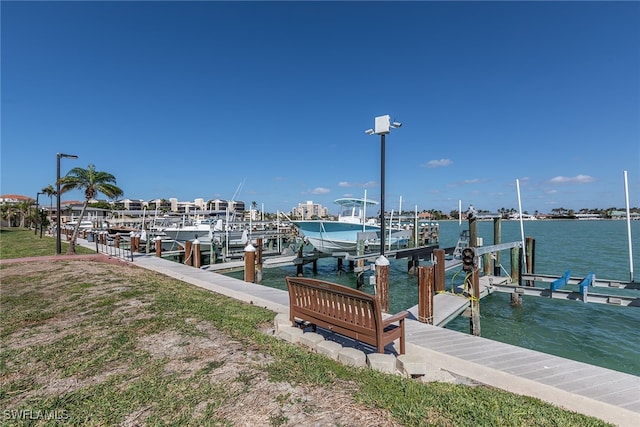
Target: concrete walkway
{"x":602,"y":393}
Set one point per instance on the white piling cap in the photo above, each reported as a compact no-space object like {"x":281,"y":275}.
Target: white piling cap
{"x":158,"y":238}
{"x":382,"y":261}
{"x":249,"y":248}
{"x":196,"y":241}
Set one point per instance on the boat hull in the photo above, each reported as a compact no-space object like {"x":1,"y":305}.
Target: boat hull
{"x":334,"y":236}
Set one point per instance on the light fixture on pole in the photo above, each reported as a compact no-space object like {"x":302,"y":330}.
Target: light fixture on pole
{"x":382,"y":127}
{"x":58,"y":157}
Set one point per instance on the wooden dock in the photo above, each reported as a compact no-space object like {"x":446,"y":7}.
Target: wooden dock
{"x":448,"y":305}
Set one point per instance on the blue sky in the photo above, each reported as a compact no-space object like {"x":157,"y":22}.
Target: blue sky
{"x":191,"y":99}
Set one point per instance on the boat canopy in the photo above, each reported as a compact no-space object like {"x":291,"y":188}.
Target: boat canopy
{"x":351,"y":202}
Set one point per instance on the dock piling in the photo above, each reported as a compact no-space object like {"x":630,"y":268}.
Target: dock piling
{"x":249,"y":263}
{"x":439,"y":273}
{"x":196,"y":254}
{"x":259,"y":260}
{"x":497,"y":239}
{"x":426,"y":278}
{"x":516,"y":298}
{"x":474,"y":293}
{"x":188,"y":253}
{"x":158,"y":243}
{"x":382,"y":282}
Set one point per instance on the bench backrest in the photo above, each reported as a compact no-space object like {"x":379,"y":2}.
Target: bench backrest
{"x":347,"y":308}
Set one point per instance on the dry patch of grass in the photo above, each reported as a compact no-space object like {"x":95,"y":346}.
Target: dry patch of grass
{"x":94,"y":344}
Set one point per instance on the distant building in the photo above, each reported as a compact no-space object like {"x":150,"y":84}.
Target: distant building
{"x":310,"y":210}
{"x":623,"y":215}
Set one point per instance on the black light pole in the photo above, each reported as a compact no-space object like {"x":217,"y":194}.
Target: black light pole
{"x":58,"y":157}
{"x":383,"y":126}
{"x":38,"y":216}
{"x":382,"y":221}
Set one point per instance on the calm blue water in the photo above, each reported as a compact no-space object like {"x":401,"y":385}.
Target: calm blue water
{"x":593,"y":333}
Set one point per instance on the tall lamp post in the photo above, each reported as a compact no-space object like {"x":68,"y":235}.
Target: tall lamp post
{"x":38,"y":216}
{"x":382,"y":127}
{"x":58,"y":157}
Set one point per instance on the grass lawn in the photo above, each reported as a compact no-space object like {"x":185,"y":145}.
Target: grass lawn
{"x":86,"y":343}
{"x":21,"y":243}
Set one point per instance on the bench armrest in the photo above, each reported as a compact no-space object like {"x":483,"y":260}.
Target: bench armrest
{"x":395,"y":318}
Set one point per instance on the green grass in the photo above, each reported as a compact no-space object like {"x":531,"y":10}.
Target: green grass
{"x":86,"y":335}
{"x":21,"y":243}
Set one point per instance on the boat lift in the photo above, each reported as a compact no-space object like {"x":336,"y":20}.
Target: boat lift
{"x":556,"y":283}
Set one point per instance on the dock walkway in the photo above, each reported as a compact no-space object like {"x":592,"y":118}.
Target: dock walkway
{"x":599,"y":392}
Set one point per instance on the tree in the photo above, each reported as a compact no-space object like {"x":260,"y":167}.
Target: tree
{"x":91,"y":182}
{"x":50,"y":192}
{"x":22,"y":210}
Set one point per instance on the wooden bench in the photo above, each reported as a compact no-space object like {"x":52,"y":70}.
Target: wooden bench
{"x":344,"y":310}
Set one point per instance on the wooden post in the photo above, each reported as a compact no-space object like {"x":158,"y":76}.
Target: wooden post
{"x":497,"y":238}
{"x":259,"y":260}
{"x":382,"y":282}
{"x":339,"y":265}
{"x":439,"y":270}
{"x":360,"y":276}
{"x":116,"y":241}
{"x":426,"y":278}
{"x":138,"y":239}
{"x":473,"y":232}
{"x":300,"y":265}
{"x":474,"y":287}
{"x":188,"y":253}
{"x":412,"y":265}
{"x":158,"y":246}
{"x":195,"y":249}
{"x":249,"y":263}
{"x":530,"y":243}
{"x":486,"y":264}
{"x":516,"y":299}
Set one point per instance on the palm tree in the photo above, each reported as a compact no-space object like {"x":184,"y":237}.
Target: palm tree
{"x":91,"y":182}
{"x":49,"y":191}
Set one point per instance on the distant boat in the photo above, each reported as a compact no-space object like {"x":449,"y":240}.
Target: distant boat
{"x":185,"y":229}
{"x":330,"y":236}
{"x":209,"y":230}
{"x":85,"y":224}
{"x":525,"y":217}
